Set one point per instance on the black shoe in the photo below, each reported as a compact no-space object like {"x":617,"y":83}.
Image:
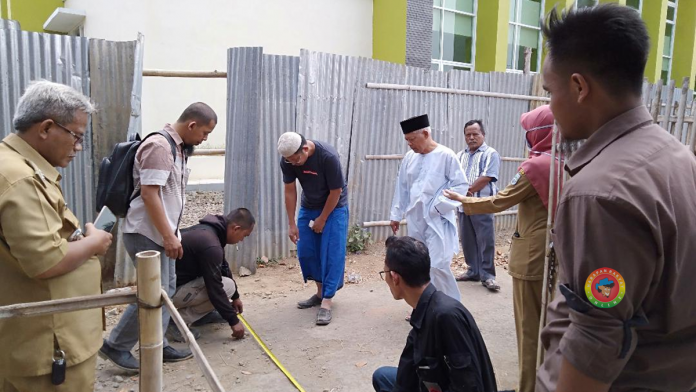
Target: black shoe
{"x":310,"y":303}
{"x":467,"y":278}
{"x":175,"y":335}
{"x":122,"y":359}
{"x":170,"y":354}
{"x":213,"y":317}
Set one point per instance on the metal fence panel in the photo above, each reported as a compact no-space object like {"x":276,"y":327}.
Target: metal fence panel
{"x":115,"y":80}
{"x":27,"y":56}
{"x":334,"y":104}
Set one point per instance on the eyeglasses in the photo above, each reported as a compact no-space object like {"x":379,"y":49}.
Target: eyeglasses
{"x":294,"y":162}
{"x":78,"y":139}
{"x":381,"y":273}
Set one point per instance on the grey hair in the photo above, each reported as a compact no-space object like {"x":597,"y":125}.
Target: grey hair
{"x":45,"y":100}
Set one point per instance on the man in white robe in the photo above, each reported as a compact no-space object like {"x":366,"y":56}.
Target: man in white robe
{"x":425,"y":172}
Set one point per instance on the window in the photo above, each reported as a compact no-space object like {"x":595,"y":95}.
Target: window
{"x":454,"y":34}
{"x":668,"y":49}
{"x":524,"y":32}
{"x":584,"y":3}
{"x":635,"y":4}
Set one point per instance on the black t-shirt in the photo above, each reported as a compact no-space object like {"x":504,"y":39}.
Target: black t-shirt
{"x":319,"y":175}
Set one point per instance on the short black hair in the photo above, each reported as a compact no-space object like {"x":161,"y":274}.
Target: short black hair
{"x":472,"y":122}
{"x":608,"y":41}
{"x":409,"y":258}
{"x":200,"y":113}
{"x":242,"y":218}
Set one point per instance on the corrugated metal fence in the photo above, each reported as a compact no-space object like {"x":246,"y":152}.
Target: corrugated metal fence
{"x":334,"y":103}
{"x":110,"y":73}
{"x":27,"y":56}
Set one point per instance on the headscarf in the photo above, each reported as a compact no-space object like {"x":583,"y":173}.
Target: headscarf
{"x":538,"y":126}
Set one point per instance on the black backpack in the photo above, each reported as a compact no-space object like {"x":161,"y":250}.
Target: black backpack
{"x":116,"y":186}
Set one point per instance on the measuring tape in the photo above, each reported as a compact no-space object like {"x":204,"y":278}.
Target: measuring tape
{"x":270,"y":354}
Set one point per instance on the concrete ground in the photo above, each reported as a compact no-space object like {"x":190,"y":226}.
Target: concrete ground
{"x":368,"y":331}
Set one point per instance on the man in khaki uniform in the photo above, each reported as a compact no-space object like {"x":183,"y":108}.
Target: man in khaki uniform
{"x":38,"y":261}
{"x":530,"y":190}
{"x":625,"y":219}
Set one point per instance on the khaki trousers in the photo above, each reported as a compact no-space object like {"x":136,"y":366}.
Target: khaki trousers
{"x":78,"y":378}
{"x":192,"y":301}
{"x":526,"y":296}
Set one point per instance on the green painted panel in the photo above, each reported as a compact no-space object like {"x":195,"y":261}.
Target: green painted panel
{"x":389,"y":30}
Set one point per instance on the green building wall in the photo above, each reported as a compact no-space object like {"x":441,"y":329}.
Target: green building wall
{"x":389,"y":30}
{"x":31,"y":14}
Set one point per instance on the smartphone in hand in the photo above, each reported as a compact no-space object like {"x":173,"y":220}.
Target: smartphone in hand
{"x":106,"y":220}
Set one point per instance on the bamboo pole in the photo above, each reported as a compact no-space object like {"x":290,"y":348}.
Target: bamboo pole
{"x":150,"y":320}
{"x":403,"y":222}
{"x":399,"y":157}
{"x":387,"y":86}
{"x":66,"y":305}
{"x":184,"y":74}
{"x":549,"y":226}
{"x":209,"y":152}
{"x":203,"y":364}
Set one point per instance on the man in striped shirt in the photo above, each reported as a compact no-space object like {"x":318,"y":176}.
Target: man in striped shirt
{"x":480,"y":163}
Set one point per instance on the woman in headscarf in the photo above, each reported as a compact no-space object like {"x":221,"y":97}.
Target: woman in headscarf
{"x":529,"y":189}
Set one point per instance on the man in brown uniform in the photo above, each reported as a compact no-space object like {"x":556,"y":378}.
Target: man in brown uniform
{"x":530,"y":190}
{"x":39,"y":261}
{"x":626,"y":217}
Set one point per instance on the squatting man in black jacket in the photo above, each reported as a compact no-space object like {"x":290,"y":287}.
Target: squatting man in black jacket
{"x":204,"y":283}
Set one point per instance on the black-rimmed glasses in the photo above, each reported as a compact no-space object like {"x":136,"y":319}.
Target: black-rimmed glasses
{"x":381,"y":273}
{"x":78,"y":139}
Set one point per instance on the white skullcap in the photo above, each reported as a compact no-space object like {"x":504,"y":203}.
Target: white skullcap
{"x":289,"y":143}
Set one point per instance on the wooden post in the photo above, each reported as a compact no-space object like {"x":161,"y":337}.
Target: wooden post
{"x":669,"y":103}
{"x":657,"y":101}
{"x":682,"y":110}
{"x":150,"y":319}
{"x":527,"y":60}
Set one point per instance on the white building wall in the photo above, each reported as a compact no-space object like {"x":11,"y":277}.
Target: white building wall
{"x":195,"y":35}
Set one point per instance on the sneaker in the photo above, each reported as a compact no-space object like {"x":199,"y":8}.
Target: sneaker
{"x":175,"y":335}
{"x":123,"y":360}
{"x":213,"y":317}
{"x":170,"y":354}
{"x":310,"y":303}
{"x":491,"y":284}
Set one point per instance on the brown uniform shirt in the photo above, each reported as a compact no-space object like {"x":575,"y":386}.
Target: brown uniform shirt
{"x":34,"y":225}
{"x":529,"y":241}
{"x":630,"y":206}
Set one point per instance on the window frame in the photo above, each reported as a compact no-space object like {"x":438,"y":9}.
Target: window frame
{"x":517,"y":25}
{"x":442,"y":63}
{"x":670,"y":4}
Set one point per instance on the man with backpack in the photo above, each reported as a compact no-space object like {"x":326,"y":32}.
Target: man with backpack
{"x":153,"y":217}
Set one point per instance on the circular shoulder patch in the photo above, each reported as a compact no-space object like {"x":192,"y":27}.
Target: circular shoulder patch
{"x":605,"y":288}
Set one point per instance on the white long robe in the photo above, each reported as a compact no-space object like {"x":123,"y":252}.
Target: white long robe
{"x":430,"y":216}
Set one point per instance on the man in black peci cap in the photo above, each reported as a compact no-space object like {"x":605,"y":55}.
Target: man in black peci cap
{"x":425,"y":172}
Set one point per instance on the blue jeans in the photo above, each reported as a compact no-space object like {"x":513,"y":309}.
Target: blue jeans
{"x":125,"y":335}
{"x":384,"y":378}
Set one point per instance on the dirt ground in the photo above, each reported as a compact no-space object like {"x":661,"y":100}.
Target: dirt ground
{"x":368,"y":331}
